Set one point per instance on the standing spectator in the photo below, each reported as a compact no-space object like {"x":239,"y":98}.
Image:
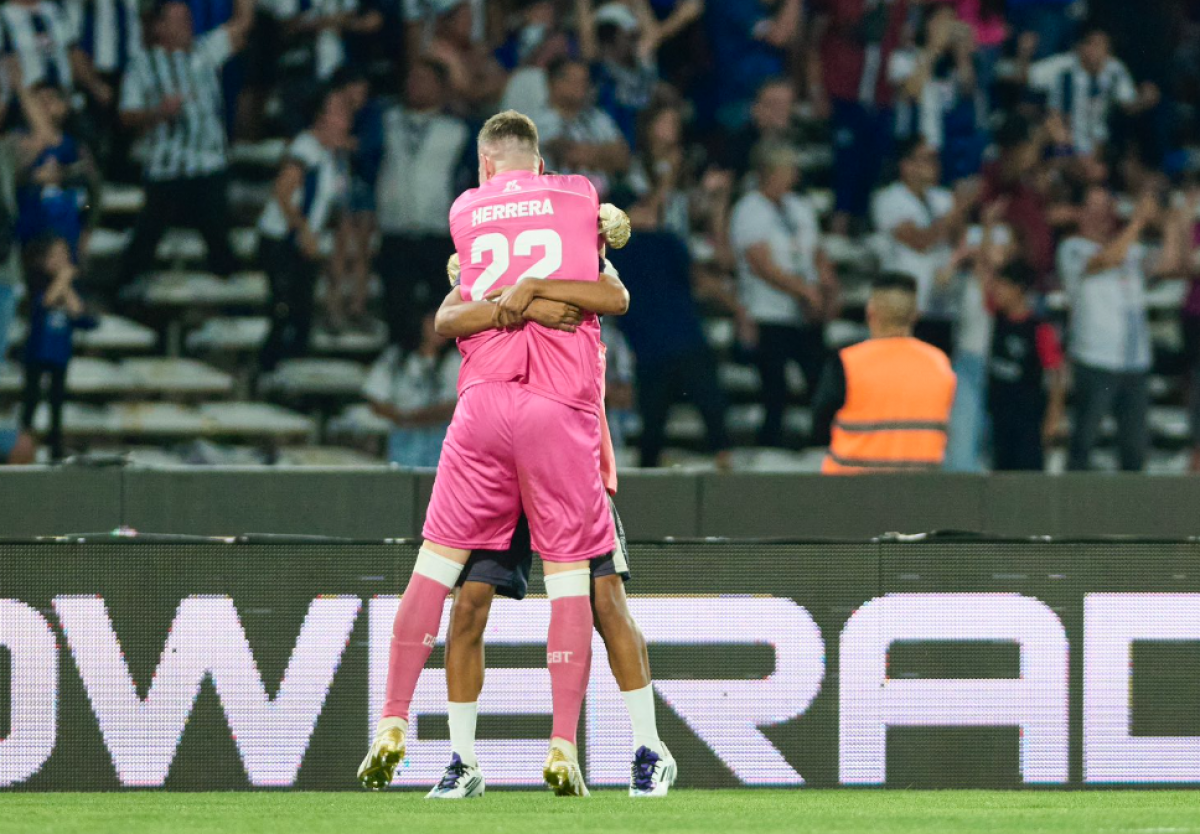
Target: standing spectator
{"x":536,"y":42}
{"x":10,"y":249}
{"x":770,"y":123}
{"x":476,"y":78}
{"x":110,"y":34}
{"x":313,"y":33}
{"x":673,"y":362}
{"x":850,"y":45}
{"x":1088,"y":87}
{"x":940,"y":97}
{"x":1190,"y":320}
{"x":41,"y":37}
{"x":1051,"y":22}
{"x":55,"y":313}
{"x":1027,"y":390}
{"x":785,"y":281}
{"x":884,"y":404}
{"x":576,"y":137}
{"x":58,"y":170}
{"x":172,"y":93}
{"x":416,"y":393}
{"x":750,"y":42}
{"x":419,"y":179}
{"x":1104,"y":268}
{"x":660,"y":172}
{"x":621,"y":49}
{"x":920,"y":222}
{"x":309,"y":196}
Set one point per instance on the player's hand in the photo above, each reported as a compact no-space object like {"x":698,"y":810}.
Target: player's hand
{"x":502,"y":318}
{"x":556,"y":315}
{"x":309,"y":243}
{"x":614,"y":225}
{"x":517,"y":298}
{"x":453,"y":269}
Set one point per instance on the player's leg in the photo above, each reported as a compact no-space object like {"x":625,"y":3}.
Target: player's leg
{"x":486,"y":574}
{"x":466,"y":512}
{"x":557,"y":450}
{"x":654,"y":768}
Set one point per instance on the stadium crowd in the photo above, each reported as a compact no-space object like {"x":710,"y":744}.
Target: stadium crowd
{"x":1001,"y":153}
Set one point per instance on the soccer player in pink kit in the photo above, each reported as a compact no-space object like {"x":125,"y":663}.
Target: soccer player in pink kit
{"x":525,"y":436}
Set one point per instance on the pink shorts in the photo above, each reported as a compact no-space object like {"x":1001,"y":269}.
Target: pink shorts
{"x":509,"y":450}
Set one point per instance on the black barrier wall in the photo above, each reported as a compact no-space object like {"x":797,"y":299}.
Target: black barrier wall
{"x":656,"y":504}
{"x":225,"y":666}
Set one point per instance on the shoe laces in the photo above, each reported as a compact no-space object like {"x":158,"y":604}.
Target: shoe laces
{"x":454,"y":771}
{"x":645,"y":762}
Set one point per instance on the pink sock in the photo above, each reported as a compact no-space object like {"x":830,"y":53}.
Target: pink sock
{"x":415,"y":630}
{"x":569,"y":647}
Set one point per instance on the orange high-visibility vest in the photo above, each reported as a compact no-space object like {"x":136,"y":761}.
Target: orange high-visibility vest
{"x":898,"y":397}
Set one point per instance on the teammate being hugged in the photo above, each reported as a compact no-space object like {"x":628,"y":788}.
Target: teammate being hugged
{"x":526,"y":436}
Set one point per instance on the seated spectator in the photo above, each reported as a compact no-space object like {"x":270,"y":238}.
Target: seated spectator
{"x":770,"y":123}
{"x":1104,"y":267}
{"x":621,"y":49}
{"x":1088,"y":87}
{"x":1027,"y":390}
{"x":850,"y":44}
{"x":424,"y":168}
{"x":416,"y":392}
{"x":58,"y":171}
{"x":786,"y":283}
{"x":939,"y":93}
{"x":55,"y":313}
{"x":884,"y":404}
{"x":920,"y":222}
{"x":313,"y":46}
{"x":576,"y":137}
{"x":675,"y":362}
{"x":750,"y":40}
{"x":172,"y":94}
{"x":310,"y":196}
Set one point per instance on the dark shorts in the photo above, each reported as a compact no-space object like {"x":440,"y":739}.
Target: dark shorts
{"x":508,"y":570}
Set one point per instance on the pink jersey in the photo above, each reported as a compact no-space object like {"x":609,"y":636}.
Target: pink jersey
{"x":516,"y":225}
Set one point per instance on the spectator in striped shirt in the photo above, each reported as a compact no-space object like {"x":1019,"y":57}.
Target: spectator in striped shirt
{"x":172,"y":93}
{"x":1089,"y":87}
{"x":310,"y":195}
{"x":41,"y":36}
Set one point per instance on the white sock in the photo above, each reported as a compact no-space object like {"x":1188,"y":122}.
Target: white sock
{"x":462,"y":730}
{"x":640,"y":703}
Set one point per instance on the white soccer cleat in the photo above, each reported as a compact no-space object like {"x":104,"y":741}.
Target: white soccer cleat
{"x":387,"y":751}
{"x":652,"y":773}
{"x":459,"y":781}
{"x":562,"y":772}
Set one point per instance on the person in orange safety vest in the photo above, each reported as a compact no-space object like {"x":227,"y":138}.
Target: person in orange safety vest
{"x":884,"y":404}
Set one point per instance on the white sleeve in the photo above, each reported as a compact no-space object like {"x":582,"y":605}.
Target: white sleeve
{"x":1043,"y":73}
{"x":751,"y":223}
{"x":1073,"y":257}
{"x":133,"y":92}
{"x":902,"y":65}
{"x":1124,"y":90}
{"x":377,"y":387}
{"x":889,"y":209}
{"x":216,"y":48}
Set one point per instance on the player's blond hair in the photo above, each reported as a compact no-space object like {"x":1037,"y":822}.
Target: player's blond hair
{"x":509,"y":129}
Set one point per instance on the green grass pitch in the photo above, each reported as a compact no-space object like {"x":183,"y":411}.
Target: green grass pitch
{"x":610,"y":812}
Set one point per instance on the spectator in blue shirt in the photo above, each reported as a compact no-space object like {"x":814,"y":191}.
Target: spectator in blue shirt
{"x":55,"y":313}
{"x":673,"y":358}
{"x":750,"y":43}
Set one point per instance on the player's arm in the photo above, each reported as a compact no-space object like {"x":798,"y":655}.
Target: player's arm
{"x":606,"y":297}
{"x":458,"y":318}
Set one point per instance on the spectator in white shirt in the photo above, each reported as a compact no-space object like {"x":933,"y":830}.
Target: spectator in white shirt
{"x":577,"y":137}
{"x":1088,"y":87}
{"x":416,"y":392}
{"x":786,"y":284}
{"x":42,"y":37}
{"x":424,"y":168}
{"x":920,"y":222}
{"x":1104,"y":268}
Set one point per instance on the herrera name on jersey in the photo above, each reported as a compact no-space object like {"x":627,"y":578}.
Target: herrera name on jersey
{"x":505,"y":211}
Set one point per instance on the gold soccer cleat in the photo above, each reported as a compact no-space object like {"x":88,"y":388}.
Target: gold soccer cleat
{"x":562,"y":772}
{"x":387,"y":751}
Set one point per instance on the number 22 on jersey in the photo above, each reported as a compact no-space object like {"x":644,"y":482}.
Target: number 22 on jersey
{"x":502,"y":253}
